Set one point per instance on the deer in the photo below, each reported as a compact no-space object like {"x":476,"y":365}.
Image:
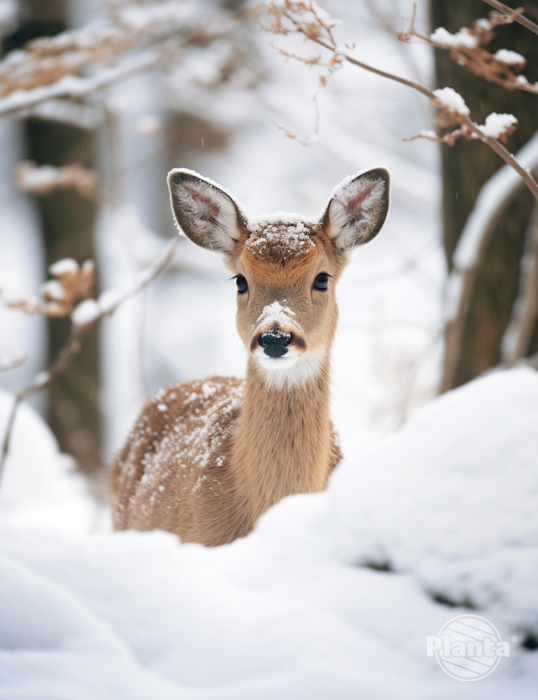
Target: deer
{"x":206,"y":458}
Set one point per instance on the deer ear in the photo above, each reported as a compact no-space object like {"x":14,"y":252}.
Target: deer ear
{"x":204,"y":212}
{"x":358,"y":208}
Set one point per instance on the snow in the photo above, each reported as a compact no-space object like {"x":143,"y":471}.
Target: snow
{"x":39,"y":486}
{"x":64,"y":267}
{"x":511,"y":58}
{"x":277,"y":313}
{"x":453,"y":100}
{"x":332,"y":595}
{"x":496,"y":124}
{"x":85,"y":312}
{"x":281,"y":240}
{"x":462,"y":38}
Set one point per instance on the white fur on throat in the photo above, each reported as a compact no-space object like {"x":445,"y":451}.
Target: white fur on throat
{"x":300,"y":371}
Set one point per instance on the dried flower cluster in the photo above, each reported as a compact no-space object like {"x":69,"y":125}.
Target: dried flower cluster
{"x":46,"y":179}
{"x":59,"y":296}
{"x":467,"y":49}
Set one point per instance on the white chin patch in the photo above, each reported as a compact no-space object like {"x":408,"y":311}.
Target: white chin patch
{"x":291,"y":370}
{"x":276,"y":363}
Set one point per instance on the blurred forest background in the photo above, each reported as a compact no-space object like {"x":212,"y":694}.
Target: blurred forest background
{"x":136,"y":88}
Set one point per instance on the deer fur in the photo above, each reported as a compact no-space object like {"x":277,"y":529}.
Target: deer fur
{"x":206,"y":458}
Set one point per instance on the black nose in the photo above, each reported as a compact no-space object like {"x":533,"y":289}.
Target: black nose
{"x":275,"y":343}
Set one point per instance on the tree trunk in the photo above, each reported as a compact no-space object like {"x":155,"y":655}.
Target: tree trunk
{"x":468,"y":165}
{"x":67,"y":223}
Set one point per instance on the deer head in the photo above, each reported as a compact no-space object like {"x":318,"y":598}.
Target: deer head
{"x":285,"y":266}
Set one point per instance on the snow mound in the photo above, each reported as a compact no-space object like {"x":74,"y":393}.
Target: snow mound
{"x":332,"y":595}
{"x":39,"y":485}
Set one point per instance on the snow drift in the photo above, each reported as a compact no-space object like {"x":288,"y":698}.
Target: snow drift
{"x":332,"y":596}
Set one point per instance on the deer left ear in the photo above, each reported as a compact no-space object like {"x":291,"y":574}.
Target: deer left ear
{"x":358,"y":208}
{"x":204,"y":211}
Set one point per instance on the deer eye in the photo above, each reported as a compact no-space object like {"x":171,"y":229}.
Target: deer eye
{"x":242,"y":284}
{"x":321,"y":281}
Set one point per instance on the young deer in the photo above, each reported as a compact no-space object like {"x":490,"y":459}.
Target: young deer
{"x":207,"y":458}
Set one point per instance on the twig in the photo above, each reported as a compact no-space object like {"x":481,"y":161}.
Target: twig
{"x":74,"y":343}
{"x":516,"y":15}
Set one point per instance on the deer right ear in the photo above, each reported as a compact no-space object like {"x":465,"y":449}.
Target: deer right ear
{"x":204,"y":212}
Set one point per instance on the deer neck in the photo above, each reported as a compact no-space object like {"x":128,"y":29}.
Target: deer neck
{"x":283,"y":439}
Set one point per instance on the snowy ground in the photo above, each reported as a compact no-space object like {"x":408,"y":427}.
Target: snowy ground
{"x":449,"y":505}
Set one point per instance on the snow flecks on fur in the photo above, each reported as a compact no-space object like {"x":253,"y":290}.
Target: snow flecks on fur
{"x":193,"y":427}
{"x":280,"y":241}
{"x":276,"y":314}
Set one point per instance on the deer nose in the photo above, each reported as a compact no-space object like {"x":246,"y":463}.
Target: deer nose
{"x":275,"y":343}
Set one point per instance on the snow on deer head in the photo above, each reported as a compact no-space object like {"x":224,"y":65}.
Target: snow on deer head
{"x":285,"y":266}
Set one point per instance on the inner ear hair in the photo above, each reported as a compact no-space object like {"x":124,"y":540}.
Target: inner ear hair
{"x":358,"y":208}
{"x":208,"y":215}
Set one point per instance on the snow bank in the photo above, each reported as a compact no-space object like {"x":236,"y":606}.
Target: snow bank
{"x":448,"y":507}
{"x":39,"y":486}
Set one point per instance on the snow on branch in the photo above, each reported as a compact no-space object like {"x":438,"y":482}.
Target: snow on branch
{"x":84,"y":316}
{"x":306,"y":18}
{"x":59,"y":296}
{"x":141,"y":37}
{"x":45,"y":179}
{"x":467,"y":49}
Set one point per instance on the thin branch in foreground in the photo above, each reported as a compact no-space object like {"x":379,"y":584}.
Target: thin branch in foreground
{"x":306,"y":18}
{"x":517,"y":16}
{"x":84,"y":318}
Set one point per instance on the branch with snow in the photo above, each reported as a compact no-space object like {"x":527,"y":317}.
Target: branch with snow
{"x":59,"y":296}
{"x":45,"y":179}
{"x":84,"y":317}
{"x":142,"y":37}
{"x":467,"y":49}
{"x":306,"y":18}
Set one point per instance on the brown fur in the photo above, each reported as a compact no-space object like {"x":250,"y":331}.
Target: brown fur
{"x":207,"y":458}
